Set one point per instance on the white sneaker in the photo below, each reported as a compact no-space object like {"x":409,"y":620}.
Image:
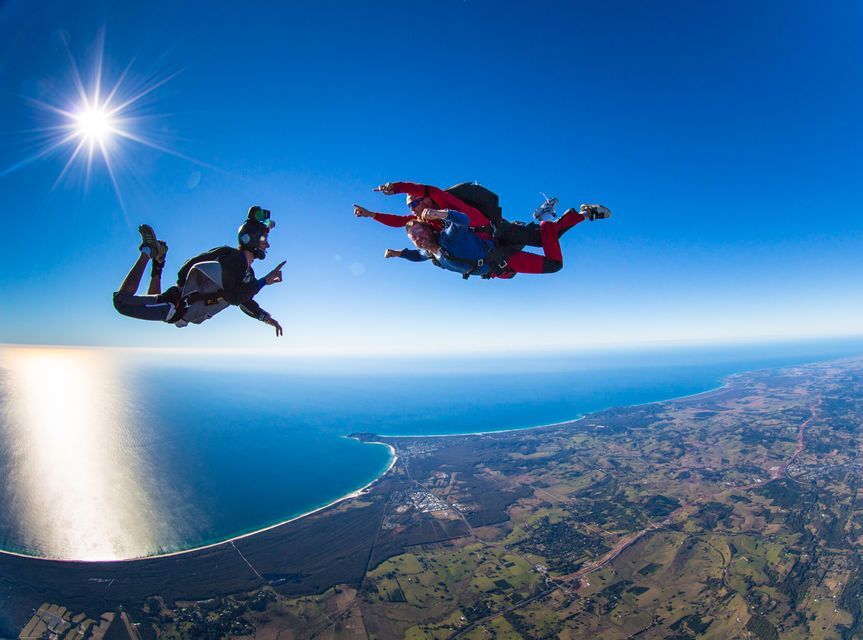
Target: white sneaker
{"x":545,"y":211}
{"x":594,"y":212}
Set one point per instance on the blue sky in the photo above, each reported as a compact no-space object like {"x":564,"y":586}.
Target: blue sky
{"x":725,"y":139}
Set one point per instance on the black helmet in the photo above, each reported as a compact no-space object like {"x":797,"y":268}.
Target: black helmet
{"x":249,"y":236}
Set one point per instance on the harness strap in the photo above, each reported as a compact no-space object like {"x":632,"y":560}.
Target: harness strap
{"x":207,"y":298}
{"x":496,"y":256}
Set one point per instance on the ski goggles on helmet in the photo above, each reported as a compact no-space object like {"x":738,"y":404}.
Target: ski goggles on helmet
{"x":413,"y":204}
{"x":269,"y":224}
{"x":259,"y":214}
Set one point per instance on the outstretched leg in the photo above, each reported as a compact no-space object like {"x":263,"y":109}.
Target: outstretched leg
{"x":549,"y":238}
{"x":132,"y":280}
{"x":568,"y":220}
{"x":518,"y":235}
{"x":523,"y":262}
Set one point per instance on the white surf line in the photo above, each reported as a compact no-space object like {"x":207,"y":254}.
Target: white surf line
{"x":492,"y":432}
{"x":156,"y":556}
{"x":572,"y":421}
{"x":689,"y":396}
{"x":724,"y":384}
{"x":246,"y":561}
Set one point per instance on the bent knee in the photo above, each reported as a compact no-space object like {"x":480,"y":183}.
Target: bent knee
{"x":118,"y":301}
{"x":122,"y":302}
{"x":551,"y":266}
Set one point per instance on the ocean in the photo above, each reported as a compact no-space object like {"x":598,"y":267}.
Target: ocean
{"x":116,"y":454}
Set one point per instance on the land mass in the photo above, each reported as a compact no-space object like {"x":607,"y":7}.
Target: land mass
{"x":734,"y":513}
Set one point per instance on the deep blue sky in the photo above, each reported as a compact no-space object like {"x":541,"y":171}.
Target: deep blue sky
{"x":726,"y":137}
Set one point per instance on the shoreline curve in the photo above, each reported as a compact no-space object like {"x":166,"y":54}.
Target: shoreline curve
{"x":358,"y":492}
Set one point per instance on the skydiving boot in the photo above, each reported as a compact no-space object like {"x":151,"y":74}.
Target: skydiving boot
{"x":157,"y":264}
{"x":594,"y":212}
{"x":153,"y":247}
{"x":545,"y":211}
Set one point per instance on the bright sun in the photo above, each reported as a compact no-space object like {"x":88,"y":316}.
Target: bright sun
{"x":97,"y":120}
{"x":94,"y":125}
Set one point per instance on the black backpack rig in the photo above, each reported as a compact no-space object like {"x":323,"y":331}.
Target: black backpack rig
{"x":500,"y":230}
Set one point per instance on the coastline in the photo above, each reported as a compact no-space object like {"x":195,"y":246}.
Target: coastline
{"x":357,"y":492}
{"x":578,"y":418}
{"x":156,"y":556}
{"x":489,"y":433}
{"x":393,"y":459}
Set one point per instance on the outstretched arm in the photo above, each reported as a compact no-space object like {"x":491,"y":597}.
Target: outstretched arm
{"x":388,"y":219}
{"x":408,"y":254}
{"x":237,"y":292}
{"x":443,"y":199}
{"x":254,"y":310}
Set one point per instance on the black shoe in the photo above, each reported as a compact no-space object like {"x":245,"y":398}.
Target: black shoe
{"x":157,"y":264}
{"x":594,"y":212}
{"x":158,"y":248}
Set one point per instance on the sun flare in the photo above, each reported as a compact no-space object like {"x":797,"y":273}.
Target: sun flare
{"x":100,"y":119}
{"x":94,"y":124}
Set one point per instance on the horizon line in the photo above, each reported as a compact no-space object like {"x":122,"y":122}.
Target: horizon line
{"x":485,"y":351}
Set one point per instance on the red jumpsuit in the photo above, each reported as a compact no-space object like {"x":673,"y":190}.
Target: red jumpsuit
{"x":519,"y":262}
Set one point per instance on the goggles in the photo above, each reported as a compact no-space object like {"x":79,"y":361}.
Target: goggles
{"x":269,"y":224}
{"x":261,"y":215}
{"x":413,"y":204}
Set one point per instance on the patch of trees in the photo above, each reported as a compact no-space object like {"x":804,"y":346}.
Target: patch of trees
{"x":712,"y":514}
{"x":525,"y":630}
{"x":660,"y":506}
{"x":646,"y":570}
{"x":561,"y":544}
{"x":832,"y":529}
{"x":799,"y":579}
{"x":851,"y":600}
{"x":477,"y":611}
{"x":711,"y":476}
{"x":622,"y":419}
{"x":751,"y":436}
{"x":420,"y":529}
{"x":762,"y":628}
{"x":787,"y":493}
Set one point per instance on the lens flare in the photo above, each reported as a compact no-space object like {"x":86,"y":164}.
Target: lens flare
{"x":93,"y":120}
{"x":94,"y":125}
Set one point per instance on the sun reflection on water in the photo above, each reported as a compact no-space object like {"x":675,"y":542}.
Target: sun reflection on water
{"x":77,"y":492}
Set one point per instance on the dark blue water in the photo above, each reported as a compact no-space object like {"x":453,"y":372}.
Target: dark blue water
{"x":235,"y":444}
